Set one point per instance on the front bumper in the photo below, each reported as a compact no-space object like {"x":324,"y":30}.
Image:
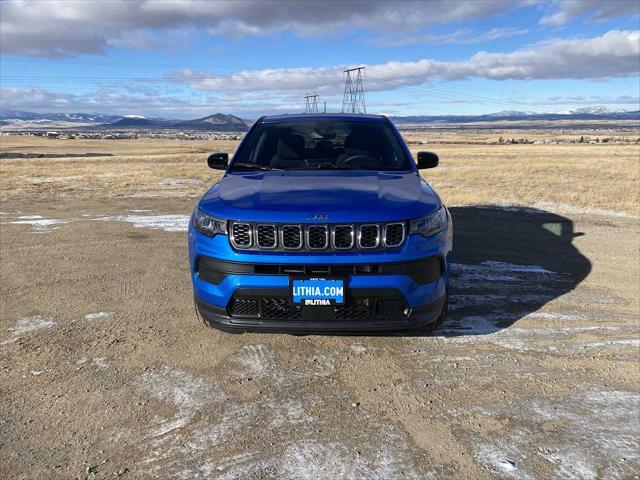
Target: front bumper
{"x":406,"y":273}
{"x":318,"y":320}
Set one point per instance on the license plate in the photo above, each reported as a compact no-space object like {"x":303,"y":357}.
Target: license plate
{"x":317,"y":291}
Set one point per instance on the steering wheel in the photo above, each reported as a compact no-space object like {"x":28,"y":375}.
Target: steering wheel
{"x":357,"y":160}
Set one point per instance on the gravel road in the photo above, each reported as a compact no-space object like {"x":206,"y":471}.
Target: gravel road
{"x":106,"y":372}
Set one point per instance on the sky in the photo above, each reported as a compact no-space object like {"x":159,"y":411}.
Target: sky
{"x":192,"y":58}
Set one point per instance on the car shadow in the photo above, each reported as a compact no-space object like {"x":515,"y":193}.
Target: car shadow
{"x":507,"y":264}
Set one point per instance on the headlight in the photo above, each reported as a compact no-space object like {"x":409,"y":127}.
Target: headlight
{"x":210,"y":226}
{"x":431,"y":224}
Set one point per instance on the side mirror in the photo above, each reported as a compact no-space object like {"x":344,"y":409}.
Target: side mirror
{"x":427,"y":160}
{"x":219,"y":161}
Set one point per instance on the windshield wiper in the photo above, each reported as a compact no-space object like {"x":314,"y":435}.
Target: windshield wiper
{"x":327,"y":166}
{"x":254,"y":166}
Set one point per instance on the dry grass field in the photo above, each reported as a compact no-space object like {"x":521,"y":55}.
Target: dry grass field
{"x":565,"y":177}
{"x":106,"y":372}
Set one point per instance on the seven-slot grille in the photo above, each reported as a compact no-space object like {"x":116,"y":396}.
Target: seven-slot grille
{"x":266,"y":236}
{"x":343,"y":237}
{"x":241,"y":236}
{"x":393,"y":234}
{"x":317,"y":237}
{"x":369,"y":236}
{"x":312,"y":237}
{"x":291,"y":237}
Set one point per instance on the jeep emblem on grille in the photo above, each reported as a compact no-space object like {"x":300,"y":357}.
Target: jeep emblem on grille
{"x":317,"y":216}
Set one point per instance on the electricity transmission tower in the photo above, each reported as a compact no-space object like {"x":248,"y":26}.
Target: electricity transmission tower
{"x":311,"y":103}
{"x":353,"y":99}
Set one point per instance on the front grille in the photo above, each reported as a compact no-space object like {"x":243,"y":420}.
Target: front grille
{"x":343,"y":237}
{"x":369,"y":236}
{"x":278,"y":308}
{"x":317,"y":237}
{"x":241,"y":235}
{"x":266,"y":236}
{"x":368,"y":308}
{"x":393,"y":234}
{"x":291,"y":237}
{"x":244,"y":307}
{"x":359,"y":309}
{"x":392,"y":307}
{"x":307,"y":237}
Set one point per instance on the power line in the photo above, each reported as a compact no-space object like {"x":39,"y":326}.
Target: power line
{"x":353,"y":98}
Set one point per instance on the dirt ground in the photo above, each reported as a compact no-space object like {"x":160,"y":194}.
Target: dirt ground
{"x":106,"y":372}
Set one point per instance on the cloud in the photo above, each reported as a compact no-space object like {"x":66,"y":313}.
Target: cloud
{"x":614,"y":54}
{"x":592,"y":100}
{"x":463,"y":36}
{"x":70,"y":27}
{"x":25,"y":98}
{"x":151,"y":104}
{"x":597,"y":10}
{"x":103,"y":100}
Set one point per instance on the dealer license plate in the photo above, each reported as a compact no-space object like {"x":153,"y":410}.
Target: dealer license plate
{"x":317,"y":291}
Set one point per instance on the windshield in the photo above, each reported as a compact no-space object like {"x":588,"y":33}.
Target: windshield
{"x":321,"y":145}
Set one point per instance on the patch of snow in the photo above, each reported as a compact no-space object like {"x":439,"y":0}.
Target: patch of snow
{"x":310,"y":460}
{"x":99,"y":362}
{"x":503,"y":458}
{"x":556,"y":316}
{"x":37,"y":222}
{"x":28,"y":324}
{"x":595,"y":429}
{"x":358,"y":348}
{"x":259,"y":362}
{"x":97,"y":316}
{"x":168,"y":223}
{"x":188,"y":395}
{"x":204,"y":419}
{"x":179,"y":182}
{"x":255,"y":361}
{"x":511,"y":267}
{"x":41,"y":180}
{"x":632,"y":342}
{"x":466,"y":300}
{"x":495,"y":272}
{"x":572,"y":465}
{"x":562,"y":208}
{"x":574,"y":209}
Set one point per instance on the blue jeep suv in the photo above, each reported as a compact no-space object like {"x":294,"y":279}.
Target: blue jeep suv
{"x":321,"y":223}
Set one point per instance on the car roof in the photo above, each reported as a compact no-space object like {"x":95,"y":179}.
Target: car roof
{"x":305,"y":117}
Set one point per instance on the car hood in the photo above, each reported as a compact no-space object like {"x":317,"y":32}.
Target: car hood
{"x":304,"y":196}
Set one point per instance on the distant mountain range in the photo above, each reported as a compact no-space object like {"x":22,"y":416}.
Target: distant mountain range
{"x":586,"y":113}
{"x":222,"y":122}
{"x":6,"y":114}
{"x":218,"y":122}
